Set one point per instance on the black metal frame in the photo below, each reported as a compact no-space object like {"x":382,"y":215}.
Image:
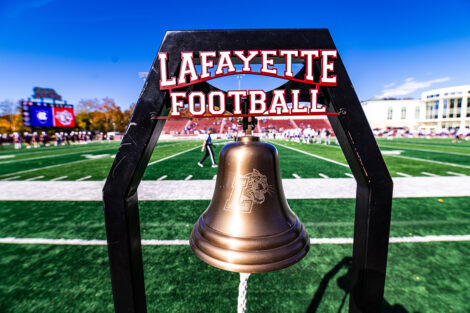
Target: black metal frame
{"x":374,"y":184}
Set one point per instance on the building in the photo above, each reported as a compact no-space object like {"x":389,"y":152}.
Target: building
{"x":383,"y":114}
{"x":438,"y":109}
{"x":446,"y":108}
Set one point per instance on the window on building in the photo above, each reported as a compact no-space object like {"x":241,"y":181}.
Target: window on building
{"x":445,"y":108}
{"x":390,"y":113}
{"x":417,"y":112}
{"x":468,"y":106}
{"x":403,"y":113}
{"x":428,"y":110}
{"x":459,"y":107}
{"x":435,"y":109}
{"x":452,"y":108}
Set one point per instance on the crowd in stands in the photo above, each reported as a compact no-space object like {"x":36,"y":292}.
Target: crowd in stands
{"x":298,"y":130}
{"x":43,"y":139}
{"x":305,"y":135}
{"x":457,"y":134}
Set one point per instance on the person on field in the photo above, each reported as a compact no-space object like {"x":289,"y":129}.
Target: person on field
{"x":207,"y":147}
{"x":327,"y":137}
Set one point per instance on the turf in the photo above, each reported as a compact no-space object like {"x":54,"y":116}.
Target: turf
{"x":175,"y":219}
{"x":53,"y":162}
{"x":395,"y":164}
{"x":428,"y":277}
{"x":76,"y":165}
{"x":422,"y":277}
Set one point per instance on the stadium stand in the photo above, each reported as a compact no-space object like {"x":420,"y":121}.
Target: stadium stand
{"x":175,"y":127}
{"x":314,"y":123}
{"x":278,"y":125}
{"x":204,"y":125}
{"x":229,"y":125}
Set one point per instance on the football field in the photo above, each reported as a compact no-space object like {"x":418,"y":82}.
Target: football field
{"x":54,"y":256}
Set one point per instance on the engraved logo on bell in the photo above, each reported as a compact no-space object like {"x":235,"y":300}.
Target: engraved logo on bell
{"x":247,"y":190}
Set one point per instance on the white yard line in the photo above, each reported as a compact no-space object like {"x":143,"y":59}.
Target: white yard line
{"x":34,"y":178}
{"x":188,"y":177}
{"x":83,"y":178}
{"x":10,"y":178}
{"x":194,"y":189}
{"x":403,"y":174}
{"x":172,"y":156}
{"x":349,"y":175}
{"x":44,"y":167}
{"x":347,"y":224}
{"x":177,"y":242}
{"x":162,"y":178}
{"x":79,"y":161}
{"x":59,"y":178}
{"x":296,"y":176}
{"x":430,"y":161}
{"x":394,"y":156}
{"x":313,"y":155}
{"x":6,"y":156}
{"x":426,"y":150}
{"x":154,"y":242}
{"x":316,"y":224}
{"x":323,"y":175}
{"x":53,"y":156}
{"x":455,"y":174}
{"x":429,"y":174}
{"x":422,"y":144}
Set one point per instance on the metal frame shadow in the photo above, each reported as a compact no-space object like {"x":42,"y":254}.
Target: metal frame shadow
{"x":374,"y":184}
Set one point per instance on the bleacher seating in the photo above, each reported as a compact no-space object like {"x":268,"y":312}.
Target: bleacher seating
{"x":314,"y":123}
{"x":204,"y":125}
{"x":278,"y":125}
{"x":174,"y":127}
{"x":177,"y":127}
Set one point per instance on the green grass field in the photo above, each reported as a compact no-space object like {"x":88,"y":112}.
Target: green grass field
{"x":421,"y":277}
{"x":92,"y":161}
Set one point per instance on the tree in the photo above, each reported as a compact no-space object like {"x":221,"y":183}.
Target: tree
{"x":102,"y":115}
{"x":84,"y":113}
{"x":128,"y":113}
{"x":7,"y":116}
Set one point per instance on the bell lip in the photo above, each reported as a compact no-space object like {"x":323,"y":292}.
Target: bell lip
{"x":251,"y":268}
{"x":247,"y":139}
{"x":250,"y":255}
{"x":282,"y":256}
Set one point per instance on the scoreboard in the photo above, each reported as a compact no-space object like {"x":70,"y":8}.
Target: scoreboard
{"x":40,"y":114}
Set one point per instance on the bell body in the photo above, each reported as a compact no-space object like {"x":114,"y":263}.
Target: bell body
{"x":248,"y":226}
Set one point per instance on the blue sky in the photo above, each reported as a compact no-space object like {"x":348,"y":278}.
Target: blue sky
{"x":95,"y":49}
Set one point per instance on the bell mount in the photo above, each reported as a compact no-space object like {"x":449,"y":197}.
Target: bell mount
{"x":374,"y":184}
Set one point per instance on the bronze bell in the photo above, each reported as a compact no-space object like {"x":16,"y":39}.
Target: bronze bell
{"x":248,"y":226}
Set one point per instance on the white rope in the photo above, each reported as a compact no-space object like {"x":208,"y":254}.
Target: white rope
{"x":242,"y":292}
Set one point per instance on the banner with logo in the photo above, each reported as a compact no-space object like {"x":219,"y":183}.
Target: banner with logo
{"x":39,"y":114}
{"x":63,"y":117}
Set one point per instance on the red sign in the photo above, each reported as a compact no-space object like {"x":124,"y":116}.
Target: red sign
{"x":258,"y":104}
{"x":63,"y":117}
